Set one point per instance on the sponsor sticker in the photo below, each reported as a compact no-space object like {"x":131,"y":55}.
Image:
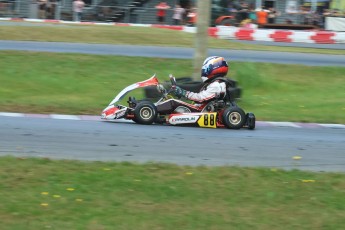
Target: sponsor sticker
{"x":120,"y":114}
{"x":183,"y":119}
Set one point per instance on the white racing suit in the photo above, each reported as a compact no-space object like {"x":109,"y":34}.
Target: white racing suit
{"x":208,"y":92}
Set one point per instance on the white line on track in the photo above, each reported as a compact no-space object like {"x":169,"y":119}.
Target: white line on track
{"x":11,"y":114}
{"x":64,"y":117}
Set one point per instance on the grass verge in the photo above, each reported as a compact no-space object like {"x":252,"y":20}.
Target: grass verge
{"x":131,"y":36}
{"x":84,"y":84}
{"x":46,"y":194}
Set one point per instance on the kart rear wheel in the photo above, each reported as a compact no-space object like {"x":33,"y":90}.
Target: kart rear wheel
{"x":145,"y":113}
{"x":234,"y":118}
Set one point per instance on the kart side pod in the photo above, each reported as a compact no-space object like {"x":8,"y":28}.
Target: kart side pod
{"x":207,"y":120}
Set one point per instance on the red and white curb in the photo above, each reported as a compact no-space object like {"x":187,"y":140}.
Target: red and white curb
{"x":98,"y":118}
{"x":275,"y":35}
{"x":227,"y":32}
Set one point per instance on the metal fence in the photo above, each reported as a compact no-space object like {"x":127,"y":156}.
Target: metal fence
{"x":97,"y":13}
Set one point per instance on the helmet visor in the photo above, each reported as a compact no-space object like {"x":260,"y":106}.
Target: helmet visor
{"x":205,"y":71}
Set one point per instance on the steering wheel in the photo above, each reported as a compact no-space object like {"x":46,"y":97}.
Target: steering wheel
{"x":172,"y":80}
{"x":173,"y":83}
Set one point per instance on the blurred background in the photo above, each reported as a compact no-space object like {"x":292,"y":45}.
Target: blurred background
{"x":298,"y":14}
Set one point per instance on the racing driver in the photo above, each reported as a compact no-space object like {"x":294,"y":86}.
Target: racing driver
{"x":213,"y":67}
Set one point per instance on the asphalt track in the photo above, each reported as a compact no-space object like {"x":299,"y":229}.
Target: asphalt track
{"x":176,"y":52}
{"x":320,"y":149}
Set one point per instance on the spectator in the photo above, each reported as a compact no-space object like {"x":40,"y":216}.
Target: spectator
{"x":305,"y":15}
{"x":192,"y":17}
{"x":49,"y":9}
{"x":162,"y":7}
{"x":54,"y":8}
{"x":42,"y":9}
{"x":78,"y":7}
{"x":326,"y":13}
{"x":243,"y":12}
{"x":262,"y":17}
{"x":316,"y":19}
{"x":178,"y":14}
{"x":252,"y":14}
{"x":272,"y":14}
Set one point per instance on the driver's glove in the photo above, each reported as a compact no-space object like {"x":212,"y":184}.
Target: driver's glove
{"x":179,"y":92}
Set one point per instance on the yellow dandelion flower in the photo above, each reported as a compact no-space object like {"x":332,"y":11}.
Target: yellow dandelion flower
{"x":308,"y":181}
{"x":44,"y":193}
{"x":44,"y":204}
{"x":297,"y":157}
{"x":189,"y":173}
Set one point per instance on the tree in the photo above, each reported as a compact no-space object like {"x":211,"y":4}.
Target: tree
{"x":201,"y":36}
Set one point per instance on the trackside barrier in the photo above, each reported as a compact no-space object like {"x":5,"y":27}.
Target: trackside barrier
{"x":281,"y":36}
{"x":319,"y":37}
{"x":229,"y":32}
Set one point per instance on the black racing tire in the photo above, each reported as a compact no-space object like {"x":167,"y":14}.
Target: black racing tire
{"x":145,"y":113}
{"x":250,"y":120}
{"x":234,"y":117}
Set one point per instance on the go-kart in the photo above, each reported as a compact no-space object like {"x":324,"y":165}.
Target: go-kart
{"x":174,"y":111}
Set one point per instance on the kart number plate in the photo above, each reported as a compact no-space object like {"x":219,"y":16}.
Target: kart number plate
{"x":208,"y":120}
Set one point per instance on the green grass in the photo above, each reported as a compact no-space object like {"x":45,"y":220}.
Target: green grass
{"x":46,"y":194}
{"x":84,"y":84}
{"x":131,"y":36}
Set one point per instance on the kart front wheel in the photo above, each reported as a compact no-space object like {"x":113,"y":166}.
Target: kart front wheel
{"x":145,"y":113}
{"x":234,"y":118}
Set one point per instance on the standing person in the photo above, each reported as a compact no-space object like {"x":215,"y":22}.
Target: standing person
{"x":261,"y":17}
{"x":192,"y":17}
{"x":178,"y":14}
{"x":162,"y":7}
{"x":252,"y":13}
{"x":272,"y":14}
{"x":244,"y":11}
{"x":42,"y":9}
{"x":78,"y":6}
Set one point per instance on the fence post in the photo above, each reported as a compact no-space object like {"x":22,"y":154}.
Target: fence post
{"x":33,"y":9}
{"x":126,"y":17}
{"x":57,"y":15}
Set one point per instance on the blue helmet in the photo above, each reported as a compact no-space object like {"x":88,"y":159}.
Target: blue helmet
{"x":214,"y":67}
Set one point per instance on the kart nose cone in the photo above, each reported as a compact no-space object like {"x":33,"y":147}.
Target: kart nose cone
{"x":109,"y":112}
